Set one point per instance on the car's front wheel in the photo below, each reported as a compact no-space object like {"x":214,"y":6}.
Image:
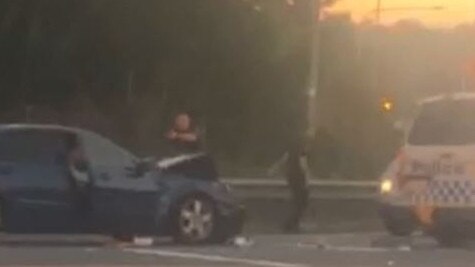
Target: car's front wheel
{"x":195,"y":220}
{"x":123,"y":237}
{"x":449,"y":232}
{"x":3,"y":215}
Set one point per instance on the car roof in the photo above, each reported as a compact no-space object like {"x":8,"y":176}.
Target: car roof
{"x":453,"y":96}
{"x":39,"y":127}
{"x":52,"y":127}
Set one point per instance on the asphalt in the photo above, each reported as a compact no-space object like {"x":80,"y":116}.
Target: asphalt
{"x":270,"y":250}
{"x":322,"y":215}
{"x":337,"y":233}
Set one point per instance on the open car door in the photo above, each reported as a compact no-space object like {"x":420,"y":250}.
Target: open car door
{"x":122,"y":203}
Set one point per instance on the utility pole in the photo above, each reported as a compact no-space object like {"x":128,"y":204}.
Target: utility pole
{"x":378,"y":11}
{"x":313,"y":76}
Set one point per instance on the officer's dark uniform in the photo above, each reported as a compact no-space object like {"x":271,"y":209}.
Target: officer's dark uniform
{"x":297,"y":182}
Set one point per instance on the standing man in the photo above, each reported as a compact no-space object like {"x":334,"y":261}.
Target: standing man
{"x":184,"y":138}
{"x":183,"y":135}
{"x":295,"y":166}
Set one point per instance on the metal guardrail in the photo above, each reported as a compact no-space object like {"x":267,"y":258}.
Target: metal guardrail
{"x":266,"y":188}
{"x":281,"y":182}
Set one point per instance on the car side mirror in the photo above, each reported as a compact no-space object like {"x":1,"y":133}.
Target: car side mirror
{"x":140,"y":168}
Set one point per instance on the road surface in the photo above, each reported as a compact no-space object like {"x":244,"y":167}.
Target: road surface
{"x":329,"y":250}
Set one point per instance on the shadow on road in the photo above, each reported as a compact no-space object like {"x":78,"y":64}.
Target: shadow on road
{"x":266,"y":216}
{"x":77,"y":241}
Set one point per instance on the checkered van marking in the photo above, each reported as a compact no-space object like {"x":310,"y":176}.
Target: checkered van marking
{"x":455,"y":192}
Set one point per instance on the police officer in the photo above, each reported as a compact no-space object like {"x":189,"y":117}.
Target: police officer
{"x":295,"y":167}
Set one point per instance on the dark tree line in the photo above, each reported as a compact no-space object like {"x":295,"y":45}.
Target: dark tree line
{"x":123,"y":66}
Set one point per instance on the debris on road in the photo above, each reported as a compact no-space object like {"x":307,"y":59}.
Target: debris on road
{"x":242,"y":241}
{"x":404,"y":248}
{"x":317,"y":245}
{"x":143,"y":241}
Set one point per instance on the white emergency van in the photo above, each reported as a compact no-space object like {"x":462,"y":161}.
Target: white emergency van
{"x":430,"y":185}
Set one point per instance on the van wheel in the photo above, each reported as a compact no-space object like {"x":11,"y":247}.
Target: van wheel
{"x":398,"y":222}
{"x":399,"y":228}
{"x":194,"y":220}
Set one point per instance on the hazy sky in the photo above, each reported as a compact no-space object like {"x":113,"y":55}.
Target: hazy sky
{"x":454,"y":12}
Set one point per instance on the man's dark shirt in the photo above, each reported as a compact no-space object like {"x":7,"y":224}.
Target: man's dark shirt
{"x":178,"y":146}
{"x":295,"y":173}
{"x":202,"y":167}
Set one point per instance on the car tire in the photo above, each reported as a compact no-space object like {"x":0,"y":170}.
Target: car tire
{"x":3,"y":215}
{"x":449,"y":233}
{"x":121,"y":235}
{"x":195,"y":220}
{"x":398,"y":222}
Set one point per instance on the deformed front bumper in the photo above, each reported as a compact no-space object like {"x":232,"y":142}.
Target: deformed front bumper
{"x":460,"y":217}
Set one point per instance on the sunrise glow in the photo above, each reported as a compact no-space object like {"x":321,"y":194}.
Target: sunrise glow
{"x":453,"y":12}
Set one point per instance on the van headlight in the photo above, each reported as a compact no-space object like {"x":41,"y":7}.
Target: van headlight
{"x":386,"y":186}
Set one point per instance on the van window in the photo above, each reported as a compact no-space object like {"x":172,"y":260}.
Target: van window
{"x":29,"y":146}
{"x":446,"y":122}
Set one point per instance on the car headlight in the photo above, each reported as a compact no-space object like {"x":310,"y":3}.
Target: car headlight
{"x":386,"y":186}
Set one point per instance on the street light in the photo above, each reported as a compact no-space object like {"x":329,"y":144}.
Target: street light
{"x":378,"y":10}
{"x":387,"y":105}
